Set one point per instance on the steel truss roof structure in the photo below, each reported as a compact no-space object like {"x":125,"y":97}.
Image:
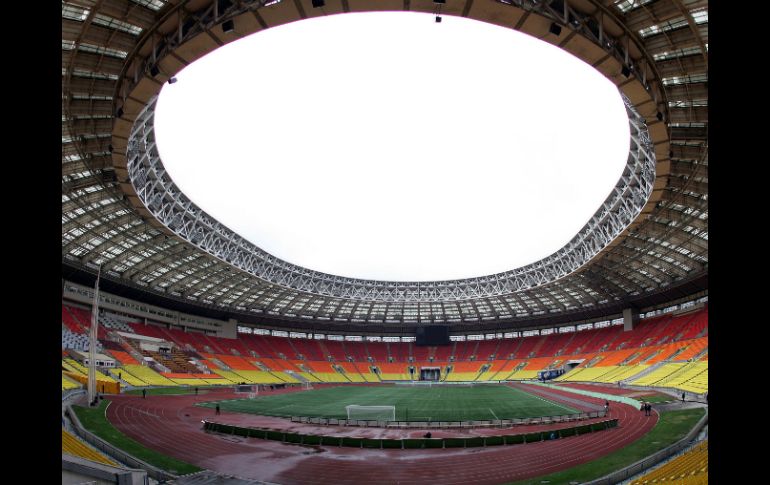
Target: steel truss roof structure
{"x":649,"y":238}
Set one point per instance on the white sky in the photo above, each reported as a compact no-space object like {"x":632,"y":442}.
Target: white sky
{"x":391,"y":147}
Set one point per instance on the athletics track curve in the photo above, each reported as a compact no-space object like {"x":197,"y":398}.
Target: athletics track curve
{"x":172,"y":426}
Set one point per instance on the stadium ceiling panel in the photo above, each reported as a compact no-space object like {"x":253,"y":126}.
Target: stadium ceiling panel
{"x":116,"y":55}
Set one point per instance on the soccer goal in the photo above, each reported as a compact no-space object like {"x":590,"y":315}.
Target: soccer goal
{"x":251,"y":391}
{"x":371,"y":413}
{"x":307,"y":385}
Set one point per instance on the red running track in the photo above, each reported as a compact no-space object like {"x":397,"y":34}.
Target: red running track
{"x":172,"y":425}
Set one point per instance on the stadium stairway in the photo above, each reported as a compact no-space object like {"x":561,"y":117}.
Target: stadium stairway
{"x":645,"y":372}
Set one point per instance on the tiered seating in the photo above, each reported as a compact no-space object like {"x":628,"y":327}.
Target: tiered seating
{"x":528,"y":368}
{"x":366,"y":373}
{"x":130,"y":378}
{"x":508,"y":367}
{"x":124,"y":357}
{"x":112,"y":322}
{"x":279,"y":365}
{"x":175,"y":360}
{"x":336,"y":350}
{"x":69,"y":321}
{"x":185,"y":340}
{"x":603,"y":339}
{"x":584,"y":374}
{"x":351,"y":372}
{"x":148,"y":330}
{"x":234,"y":362}
{"x":146,"y":375}
{"x":458,"y":348}
{"x":357,"y":350}
{"x":539,"y":342}
{"x":216,"y":344}
{"x":394,"y":372}
{"x":690,"y":468}
{"x":233,"y":346}
{"x":67,"y":383}
{"x":261,"y":377}
{"x":616,"y":357}
{"x":522,"y":374}
{"x":658,"y":374}
{"x":443,"y":352}
{"x":578,"y":341}
{"x":464,"y":371}
{"x":526,"y":347}
{"x":275,"y":347}
{"x":494,"y":367}
{"x":78,"y":368}
{"x":377,"y":351}
{"x":697,"y":325}
{"x":507,"y":347}
{"x":229,"y":376}
{"x":268,"y":359}
{"x":692,"y":377}
{"x":309,"y":349}
{"x":554,"y":343}
{"x":306,"y":373}
{"x":642,"y":331}
{"x":255,"y":343}
{"x":78,"y":341}
{"x":486,"y":349}
{"x":73,"y":446}
{"x":621,"y":372}
{"x":420,"y":354}
{"x":399,"y":351}
{"x":325,"y":372}
{"x":695,"y":347}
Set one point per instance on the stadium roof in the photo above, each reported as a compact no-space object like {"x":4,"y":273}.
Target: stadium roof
{"x":118,"y":210}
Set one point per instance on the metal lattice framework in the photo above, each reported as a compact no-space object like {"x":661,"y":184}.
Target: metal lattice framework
{"x":179,"y":214}
{"x":117,"y":53}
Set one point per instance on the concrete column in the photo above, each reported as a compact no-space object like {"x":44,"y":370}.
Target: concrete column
{"x":230,"y":329}
{"x":630,"y":319}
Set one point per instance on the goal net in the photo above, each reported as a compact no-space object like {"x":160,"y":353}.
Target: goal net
{"x":371,"y":413}
{"x":251,"y":391}
{"x":307,"y":385}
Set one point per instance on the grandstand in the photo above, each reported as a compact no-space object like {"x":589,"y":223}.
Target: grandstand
{"x":185,"y":301}
{"x":691,"y":468}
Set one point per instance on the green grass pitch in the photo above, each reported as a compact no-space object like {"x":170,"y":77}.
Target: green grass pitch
{"x":436,"y":403}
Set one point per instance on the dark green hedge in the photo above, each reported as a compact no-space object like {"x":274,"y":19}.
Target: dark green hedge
{"x":532,"y":437}
{"x":434,"y":443}
{"x":514,"y":439}
{"x":369,"y":443}
{"x":495,"y":440}
{"x":352,"y":442}
{"x":454,"y":442}
{"x":407,"y":443}
{"x":413,"y":443}
{"x":312,"y":440}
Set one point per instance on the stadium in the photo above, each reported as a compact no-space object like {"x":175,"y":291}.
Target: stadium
{"x":192,"y":354}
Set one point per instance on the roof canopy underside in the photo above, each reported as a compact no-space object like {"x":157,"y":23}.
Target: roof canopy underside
{"x":116,"y":54}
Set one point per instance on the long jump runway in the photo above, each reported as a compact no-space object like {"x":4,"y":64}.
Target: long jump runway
{"x":172,"y":426}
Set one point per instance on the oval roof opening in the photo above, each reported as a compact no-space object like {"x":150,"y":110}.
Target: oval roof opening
{"x":388,"y":146}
